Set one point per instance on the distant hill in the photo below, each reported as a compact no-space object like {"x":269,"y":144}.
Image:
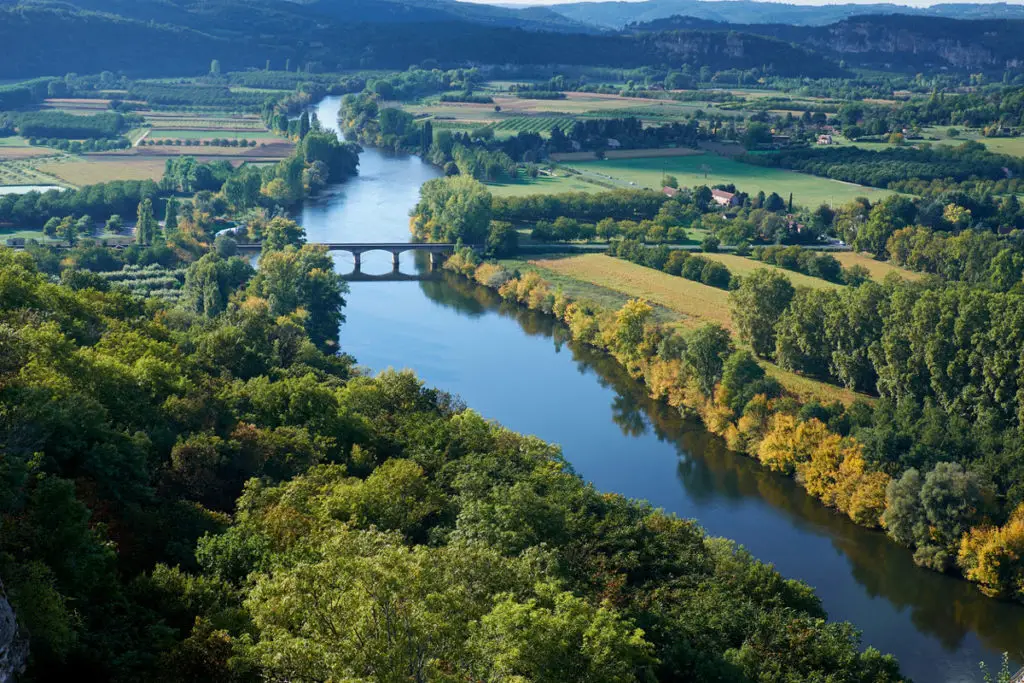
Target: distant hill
{"x":172,"y":37}
{"x":618,"y":14}
{"x":894,"y":42}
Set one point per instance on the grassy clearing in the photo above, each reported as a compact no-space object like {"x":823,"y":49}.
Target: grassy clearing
{"x":542,"y":184}
{"x":878,"y":269}
{"x":6,"y":234}
{"x":1011,"y":146}
{"x":102,"y":169}
{"x":708,"y":169}
{"x":741,"y":265}
{"x":606,"y":298}
{"x":695,"y":303}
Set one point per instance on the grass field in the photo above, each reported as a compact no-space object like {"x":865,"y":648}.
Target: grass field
{"x":101,"y":169}
{"x":694,"y":302}
{"x":807,"y":190}
{"x":878,"y":269}
{"x":1011,"y":146}
{"x":541,"y":185}
{"x":740,"y":265}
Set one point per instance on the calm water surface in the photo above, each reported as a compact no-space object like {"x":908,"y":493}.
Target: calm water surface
{"x":516,"y":367}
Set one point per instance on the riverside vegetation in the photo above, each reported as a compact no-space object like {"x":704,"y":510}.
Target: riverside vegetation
{"x":207,"y":490}
{"x":936,"y":460}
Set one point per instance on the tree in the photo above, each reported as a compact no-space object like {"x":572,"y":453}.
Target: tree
{"x":171,"y":217}
{"x":451,"y":210}
{"x":757,"y":305}
{"x":280,"y":233}
{"x":502,"y":240}
{"x":114,"y":224}
{"x":757,"y":134}
{"x":628,"y":332}
{"x":303,"y":281}
{"x":303,"y":125}
{"x":210,"y":281}
{"x":706,"y":350}
{"x":146,"y":226}
{"x":671,"y":181}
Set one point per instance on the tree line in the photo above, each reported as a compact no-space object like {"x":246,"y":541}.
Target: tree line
{"x":58,"y":124}
{"x":945,"y":427}
{"x":970,"y":160}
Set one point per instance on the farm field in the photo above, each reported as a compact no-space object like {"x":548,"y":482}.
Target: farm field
{"x":24,"y":171}
{"x":741,"y":265}
{"x":878,"y":269}
{"x":192,"y":134}
{"x":808,"y":190}
{"x":574,"y":106}
{"x":101,"y":169}
{"x":1013,"y":146}
{"x":695,"y":302}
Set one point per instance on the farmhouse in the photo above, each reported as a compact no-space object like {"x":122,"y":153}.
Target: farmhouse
{"x":723,"y":198}
{"x":670,"y":191}
{"x":825,"y":139}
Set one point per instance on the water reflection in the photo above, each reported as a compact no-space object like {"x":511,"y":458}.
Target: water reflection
{"x":949,"y":609}
{"x":463,"y":338}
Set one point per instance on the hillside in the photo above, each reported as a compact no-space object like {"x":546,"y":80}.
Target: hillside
{"x":619,"y":14}
{"x":168,"y":38}
{"x":889,"y":42}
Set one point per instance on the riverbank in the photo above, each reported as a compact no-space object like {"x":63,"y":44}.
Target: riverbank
{"x":520,"y":368}
{"x":699,"y":374}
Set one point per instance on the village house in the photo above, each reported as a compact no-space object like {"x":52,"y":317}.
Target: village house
{"x":723,"y":198}
{"x":670,"y":191}
{"x":825,"y":139}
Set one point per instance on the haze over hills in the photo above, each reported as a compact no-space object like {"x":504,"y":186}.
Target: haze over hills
{"x":886,"y":42}
{"x":160,"y":37}
{"x":617,"y":14}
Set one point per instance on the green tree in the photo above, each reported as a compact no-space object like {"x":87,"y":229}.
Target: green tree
{"x":758,"y":304}
{"x":303,"y":281}
{"x":171,"y":217}
{"x":280,"y":233}
{"x":146,"y":225}
{"x":706,"y":350}
{"x":114,"y":224}
{"x":452,"y":210}
{"x":757,"y":134}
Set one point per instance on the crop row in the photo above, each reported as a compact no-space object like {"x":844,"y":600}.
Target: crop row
{"x":535,"y":124}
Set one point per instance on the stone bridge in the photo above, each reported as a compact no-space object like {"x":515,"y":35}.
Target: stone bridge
{"x":438,"y":251}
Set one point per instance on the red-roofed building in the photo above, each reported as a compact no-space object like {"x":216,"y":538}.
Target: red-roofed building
{"x":724,"y":198}
{"x":670,"y":191}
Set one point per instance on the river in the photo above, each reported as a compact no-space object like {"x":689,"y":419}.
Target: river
{"x":515,"y":367}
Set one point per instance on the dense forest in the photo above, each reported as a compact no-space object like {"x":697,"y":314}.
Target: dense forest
{"x":229,"y":476}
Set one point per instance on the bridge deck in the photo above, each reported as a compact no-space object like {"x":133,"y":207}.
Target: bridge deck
{"x":371,"y":246}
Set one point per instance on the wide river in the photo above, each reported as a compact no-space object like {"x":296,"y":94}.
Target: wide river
{"x":516,"y":368}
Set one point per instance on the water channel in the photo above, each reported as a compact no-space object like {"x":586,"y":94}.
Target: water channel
{"x":516,"y":367}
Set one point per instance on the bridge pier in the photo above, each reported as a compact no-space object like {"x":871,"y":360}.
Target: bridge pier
{"x":436,"y":259}
{"x":357,"y":255}
{"x":395,"y":261}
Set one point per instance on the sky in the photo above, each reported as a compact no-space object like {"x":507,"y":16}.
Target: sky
{"x":913,"y":3}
